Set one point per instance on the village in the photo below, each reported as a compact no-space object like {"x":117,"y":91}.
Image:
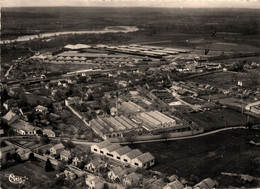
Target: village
{"x":77,"y":123}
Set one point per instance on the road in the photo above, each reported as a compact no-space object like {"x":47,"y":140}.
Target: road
{"x":186,"y":137}
{"x":143,"y":141}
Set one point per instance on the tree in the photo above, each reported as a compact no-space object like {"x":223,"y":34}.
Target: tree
{"x":61,"y":167}
{"x":45,"y":139}
{"x":31,"y":156}
{"x":48,"y":166}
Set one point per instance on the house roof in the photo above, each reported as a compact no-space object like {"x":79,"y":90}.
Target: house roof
{"x":133,"y":154}
{"x":103,"y":144}
{"x":58,"y":146}
{"x":175,"y":185}
{"x":23,"y":125}
{"x":146,"y":157}
{"x":48,"y":132}
{"x":95,"y":162}
{"x":122,"y":150}
{"x":10,"y":115}
{"x":133,"y":177}
{"x":207,"y":183}
{"x":39,"y":107}
{"x":118,"y":171}
{"x":65,"y":153}
{"x":113,"y":147}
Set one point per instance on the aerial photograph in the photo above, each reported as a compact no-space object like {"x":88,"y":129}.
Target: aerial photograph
{"x":130,"y":94}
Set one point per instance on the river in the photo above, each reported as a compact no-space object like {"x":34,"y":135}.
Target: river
{"x":109,"y":29}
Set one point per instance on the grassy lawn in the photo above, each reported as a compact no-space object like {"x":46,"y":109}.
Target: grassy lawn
{"x":36,"y":175}
{"x":207,"y":156}
{"x":215,"y":119}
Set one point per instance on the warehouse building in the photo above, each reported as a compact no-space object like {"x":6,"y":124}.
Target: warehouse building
{"x":110,"y":127}
{"x":124,"y":154}
{"x":153,"y":120}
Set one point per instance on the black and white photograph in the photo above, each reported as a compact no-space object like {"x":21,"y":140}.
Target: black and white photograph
{"x":130,"y":94}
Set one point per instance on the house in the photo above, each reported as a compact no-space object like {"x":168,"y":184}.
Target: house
{"x":56,"y":149}
{"x":93,"y":165}
{"x":144,"y":161}
{"x":93,"y":182}
{"x":10,"y":117}
{"x":24,"y":128}
{"x":174,"y":185}
{"x":23,"y":153}
{"x":48,"y":132}
{"x":207,"y":183}
{"x":119,"y":152}
{"x":65,"y":155}
{"x":116,"y":174}
{"x":69,"y":175}
{"x":79,"y":158}
{"x":41,"y":109}
{"x":97,"y":147}
{"x":127,"y":158}
{"x":132,"y":180}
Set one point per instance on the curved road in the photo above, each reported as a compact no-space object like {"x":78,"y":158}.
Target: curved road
{"x":185,"y":137}
{"x":144,"y":141}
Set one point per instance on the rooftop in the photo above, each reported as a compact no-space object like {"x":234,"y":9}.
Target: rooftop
{"x":146,"y":157}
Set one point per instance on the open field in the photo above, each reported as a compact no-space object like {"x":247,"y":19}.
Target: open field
{"x":225,"y":80}
{"x":37,"y":177}
{"x":216,"y":119}
{"x":208,"y":156}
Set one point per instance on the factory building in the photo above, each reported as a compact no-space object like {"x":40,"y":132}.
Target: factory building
{"x":153,"y":120}
{"x":124,"y":154}
{"x":109,"y":127}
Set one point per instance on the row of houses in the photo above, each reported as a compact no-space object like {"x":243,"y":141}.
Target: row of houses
{"x":23,"y":127}
{"x":124,"y":154}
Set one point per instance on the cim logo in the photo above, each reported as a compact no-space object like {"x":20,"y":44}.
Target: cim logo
{"x":16,"y":179}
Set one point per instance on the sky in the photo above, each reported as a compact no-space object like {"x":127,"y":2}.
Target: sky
{"x":135,"y":3}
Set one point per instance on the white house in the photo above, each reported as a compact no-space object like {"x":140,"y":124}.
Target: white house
{"x":41,"y":109}
{"x":56,"y":149}
{"x":24,"y":128}
{"x":108,"y":149}
{"x":65,"y":155}
{"x":97,"y":147}
{"x":119,"y":152}
{"x":94,"y":182}
{"x":127,"y":158}
{"x":132,"y":180}
{"x":175,"y":184}
{"x":48,"y":132}
{"x":143,"y":161}
{"x":116,"y":174}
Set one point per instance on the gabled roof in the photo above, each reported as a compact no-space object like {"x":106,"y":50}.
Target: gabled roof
{"x":123,"y":150}
{"x":10,"y":115}
{"x":39,"y":107}
{"x":23,"y":125}
{"x":146,"y":157}
{"x":133,"y":177}
{"x":175,"y":185}
{"x":133,"y":154}
{"x":207,"y":183}
{"x":118,"y":171}
{"x":65,"y":153}
{"x":113,"y":147}
{"x":58,"y":146}
{"x":95,"y":162}
{"x":103,"y":144}
{"x":48,"y":132}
